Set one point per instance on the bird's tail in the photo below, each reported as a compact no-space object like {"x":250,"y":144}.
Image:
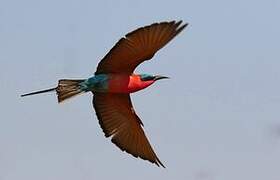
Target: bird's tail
{"x":66,"y":89}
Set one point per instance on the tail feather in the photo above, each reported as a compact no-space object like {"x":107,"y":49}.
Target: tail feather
{"x":38,"y":92}
{"x":66,"y":89}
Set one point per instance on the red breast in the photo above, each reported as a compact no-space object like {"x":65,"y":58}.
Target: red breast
{"x":120,"y":83}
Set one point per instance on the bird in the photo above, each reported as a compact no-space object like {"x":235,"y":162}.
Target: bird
{"x":114,"y":81}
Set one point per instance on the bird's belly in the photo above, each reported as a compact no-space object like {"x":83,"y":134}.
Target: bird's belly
{"x":120,"y":88}
{"x":119,"y":84}
{"x":125,"y":84}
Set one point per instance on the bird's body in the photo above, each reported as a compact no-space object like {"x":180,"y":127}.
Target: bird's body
{"x":115,"y":83}
{"x":114,"y":80}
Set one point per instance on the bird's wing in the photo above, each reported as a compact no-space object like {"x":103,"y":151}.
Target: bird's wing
{"x":118,"y":119}
{"x":138,"y":46}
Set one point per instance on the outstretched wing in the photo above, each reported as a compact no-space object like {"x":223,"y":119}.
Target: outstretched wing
{"x":118,"y":119}
{"x":138,"y":46}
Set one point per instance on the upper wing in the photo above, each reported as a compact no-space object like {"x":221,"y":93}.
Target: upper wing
{"x":118,"y":119}
{"x":138,"y":46}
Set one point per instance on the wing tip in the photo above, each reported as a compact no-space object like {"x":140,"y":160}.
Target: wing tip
{"x":159,"y":163}
{"x":181,"y":26}
{"x":155,"y":161}
{"x":174,"y":22}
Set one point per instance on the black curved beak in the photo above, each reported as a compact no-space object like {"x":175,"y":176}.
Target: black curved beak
{"x":160,"y":77}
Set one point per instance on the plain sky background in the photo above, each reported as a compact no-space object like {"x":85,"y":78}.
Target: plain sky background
{"x":217,"y":118}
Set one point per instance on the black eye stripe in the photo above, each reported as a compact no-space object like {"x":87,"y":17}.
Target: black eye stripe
{"x":147,"y":78}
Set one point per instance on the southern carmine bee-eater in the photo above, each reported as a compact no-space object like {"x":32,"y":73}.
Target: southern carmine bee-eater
{"x":113,"y":82}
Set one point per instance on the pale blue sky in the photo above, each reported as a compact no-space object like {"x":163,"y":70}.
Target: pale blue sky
{"x":216,"y":118}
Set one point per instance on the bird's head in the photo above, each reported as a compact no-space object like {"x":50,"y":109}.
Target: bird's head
{"x":148,"y":77}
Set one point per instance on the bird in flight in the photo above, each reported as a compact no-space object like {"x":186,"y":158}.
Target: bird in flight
{"x":113,"y":82}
